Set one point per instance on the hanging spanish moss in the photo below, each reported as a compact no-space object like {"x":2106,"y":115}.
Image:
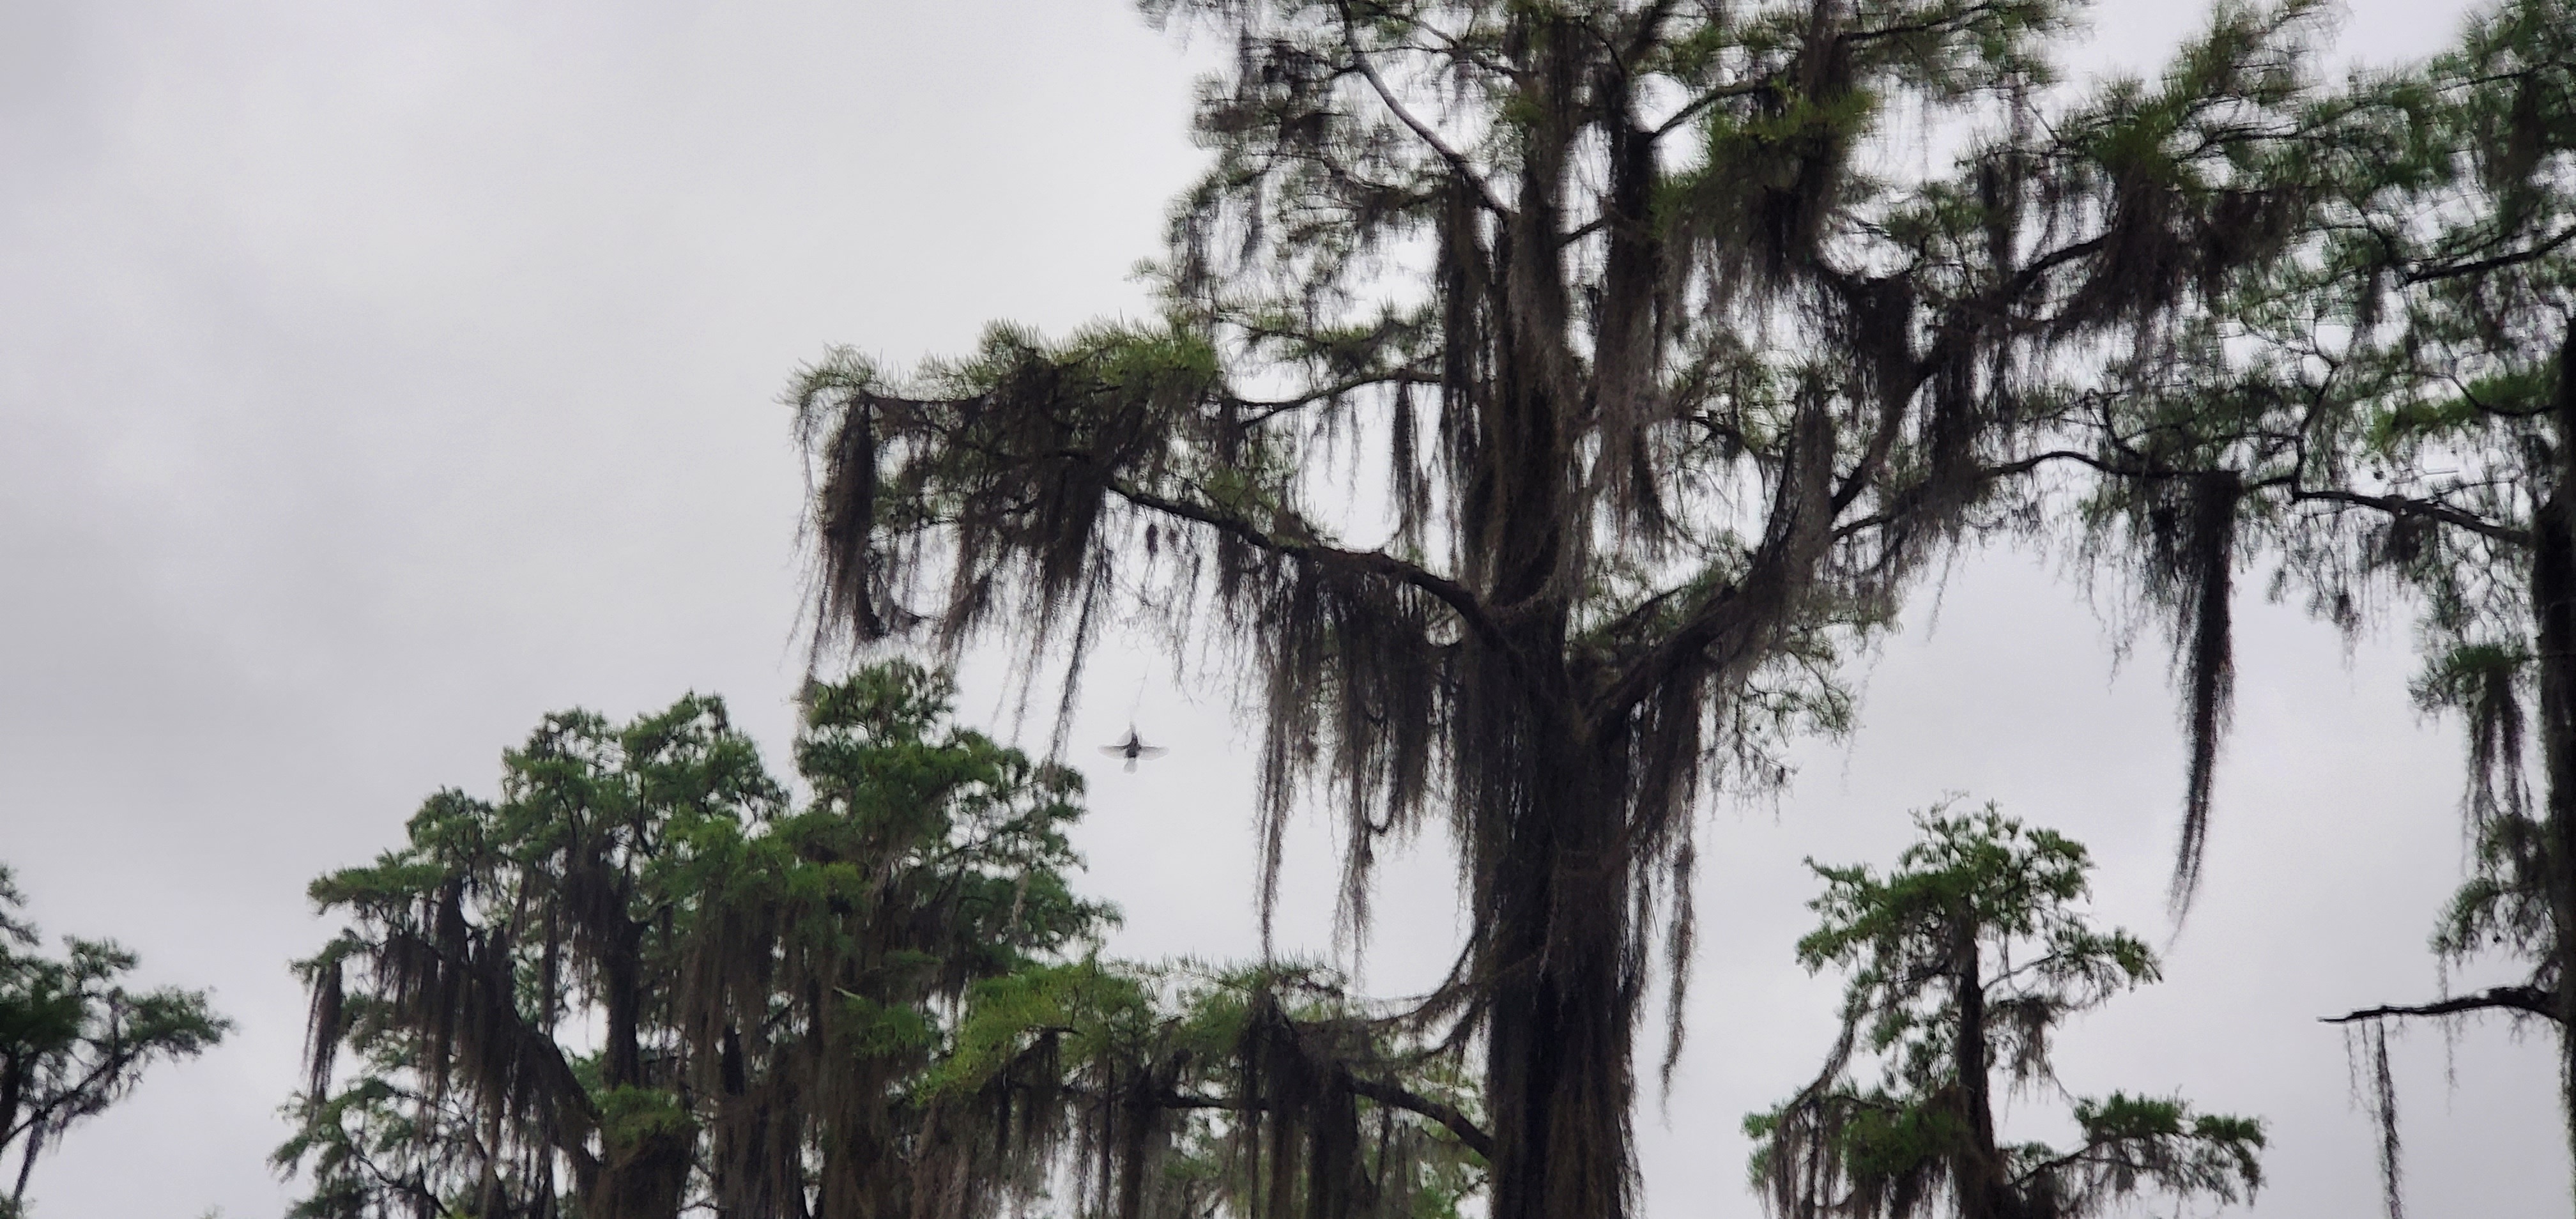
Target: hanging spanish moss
{"x":2190,"y":567}
{"x":2383,"y":1112}
{"x":884,"y":1004}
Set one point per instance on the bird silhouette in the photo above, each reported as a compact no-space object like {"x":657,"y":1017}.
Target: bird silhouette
{"x":1132,"y":748}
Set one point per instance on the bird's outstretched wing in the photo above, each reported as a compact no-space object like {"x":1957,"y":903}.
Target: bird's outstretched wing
{"x":1115,"y":751}
{"x":1151,"y":751}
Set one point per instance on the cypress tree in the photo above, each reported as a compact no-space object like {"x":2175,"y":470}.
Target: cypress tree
{"x":1675,"y":377}
{"x":1964,"y":960}
{"x":2387,"y":413}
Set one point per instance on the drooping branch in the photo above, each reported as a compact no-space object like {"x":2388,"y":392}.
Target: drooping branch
{"x":1448,"y":1116}
{"x":2527,"y":1000}
{"x":1376,"y":563}
{"x":2402,"y":505}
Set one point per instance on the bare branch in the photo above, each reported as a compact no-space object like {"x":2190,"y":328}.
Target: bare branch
{"x":1264,"y":411}
{"x":2400,"y":505}
{"x":1458,"y":162}
{"x":1378,"y":563}
{"x":2528,"y":1000}
{"x":1447,"y":1115}
{"x":2426,"y":275}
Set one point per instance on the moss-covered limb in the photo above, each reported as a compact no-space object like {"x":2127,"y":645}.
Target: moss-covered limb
{"x":2414,"y":508}
{"x":2521,"y":1000}
{"x":1449,"y":1117}
{"x":1461,"y":600}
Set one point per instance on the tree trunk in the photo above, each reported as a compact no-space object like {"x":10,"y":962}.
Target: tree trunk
{"x":26,"y":1165}
{"x":1560,"y":1026}
{"x":1554,"y":880}
{"x":2553,"y":605}
{"x":1982,"y":1189}
{"x":644,"y":1176}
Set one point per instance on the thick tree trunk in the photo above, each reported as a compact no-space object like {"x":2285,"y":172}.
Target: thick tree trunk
{"x":644,"y":1176}
{"x":1554,"y":880}
{"x":2553,"y":605}
{"x":1560,"y":1029}
{"x":642,"y":1173}
{"x":26,"y":1165}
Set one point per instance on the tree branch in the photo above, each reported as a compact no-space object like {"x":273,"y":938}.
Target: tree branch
{"x":1448,"y":1116}
{"x":2394,"y":505}
{"x":1390,"y":1095}
{"x":1917,"y":27}
{"x":2529,"y":1000}
{"x":1379,"y":563}
{"x":1799,"y":528}
{"x":1264,"y":411}
{"x":2400,"y":505}
{"x":1458,"y":163}
{"x":1706,"y":100}
{"x":2423,"y":275}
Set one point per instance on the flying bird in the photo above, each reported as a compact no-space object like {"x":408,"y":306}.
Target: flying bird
{"x":1132,"y":748}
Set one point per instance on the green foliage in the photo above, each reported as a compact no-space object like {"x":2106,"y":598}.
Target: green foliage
{"x":650,"y":882}
{"x":647,"y":978}
{"x":1962,"y":962}
{"x":74,"y":1040}
{"x":2389,"y":407}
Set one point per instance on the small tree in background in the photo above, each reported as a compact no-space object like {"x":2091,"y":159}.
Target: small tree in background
{"x":1963,"y":962}
{"x":74,"y":1040}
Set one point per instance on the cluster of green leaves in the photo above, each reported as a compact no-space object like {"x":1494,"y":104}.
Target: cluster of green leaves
{"x":1962,"y":961}
{"x":74,"y":1039}
{"x":647,"y":929}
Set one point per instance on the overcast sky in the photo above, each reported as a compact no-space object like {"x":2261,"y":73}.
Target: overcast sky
{"x":375,"y":378}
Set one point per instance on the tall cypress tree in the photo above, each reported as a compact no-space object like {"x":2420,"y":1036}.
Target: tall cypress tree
{"x":1674,"y":377}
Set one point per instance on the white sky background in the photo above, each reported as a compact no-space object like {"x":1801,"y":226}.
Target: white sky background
{"x":375,"y":378}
